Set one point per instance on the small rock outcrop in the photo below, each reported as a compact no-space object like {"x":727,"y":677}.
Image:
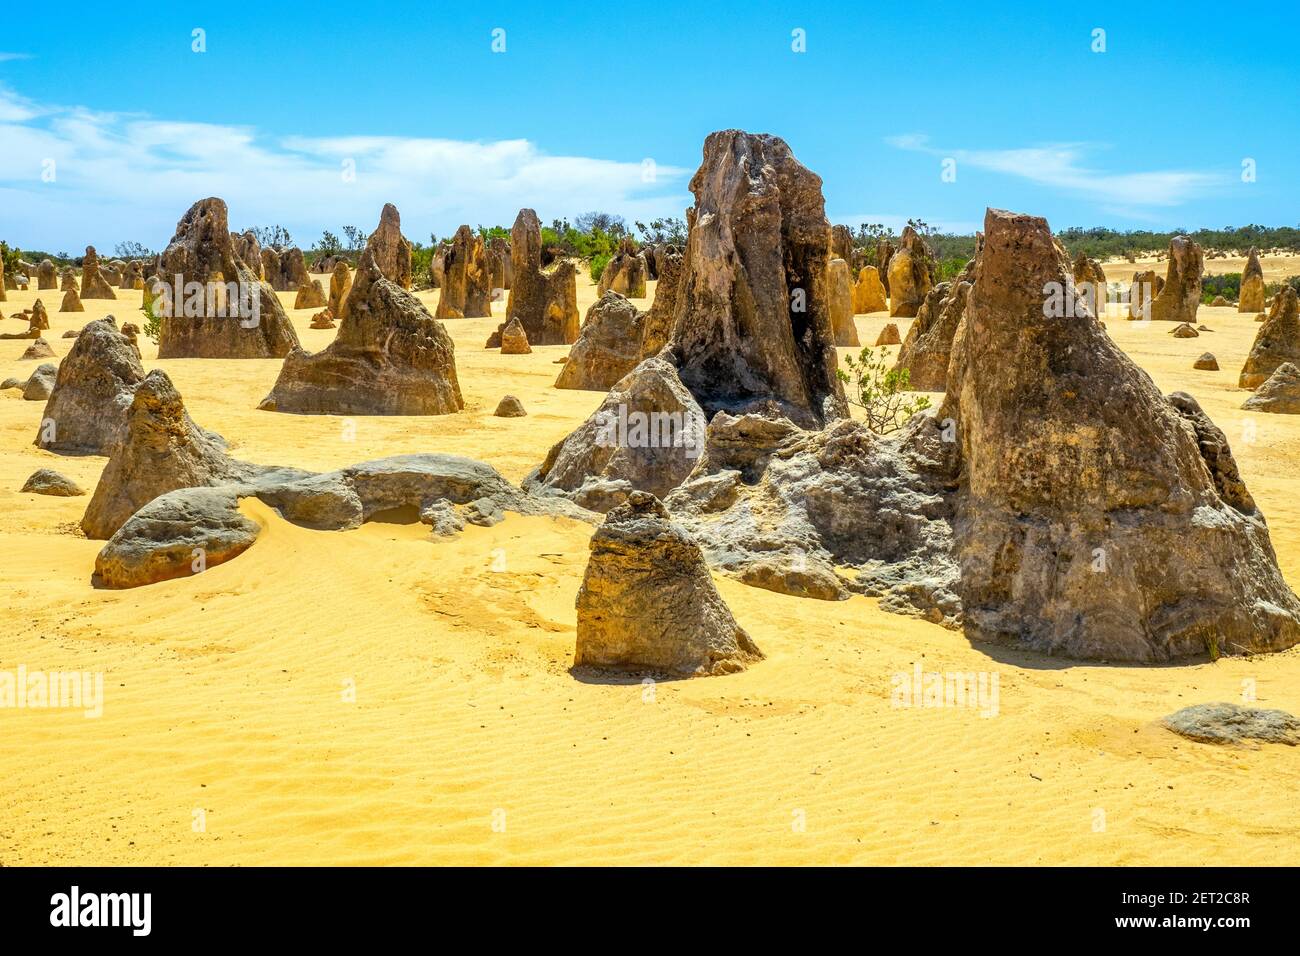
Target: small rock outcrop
{"x":510,"y":407}
{"x":646,"y":436}
{"x":163,"y":450}
{"x":40,"y":349}
{"x":608,"y":347}
{"x":93,"y":283}
{"x":1184,"y":331}
{"x":1233,"y":724}
{"x":514,"y":339}
{"x":625,"y":273}
{"x":47,"y":481}
{"x":648,"y":603}
{"x":1280,"y":392}
{"x":71,"y":302}
{"x":1206,"y":363}
{"x":889,"y":335}
{"x":311,"y":295}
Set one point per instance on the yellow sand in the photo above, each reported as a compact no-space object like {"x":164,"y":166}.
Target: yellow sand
{"x":468,"y":740}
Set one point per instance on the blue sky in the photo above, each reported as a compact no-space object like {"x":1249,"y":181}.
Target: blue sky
{"x":412,"y":99}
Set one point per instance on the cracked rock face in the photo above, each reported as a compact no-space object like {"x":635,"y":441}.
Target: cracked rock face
{"x":648,"y":603}
{"x":753,"y":314}
{"x":927,"y":350}
{"x":1096,"y":518}
{"x":467,"y":279}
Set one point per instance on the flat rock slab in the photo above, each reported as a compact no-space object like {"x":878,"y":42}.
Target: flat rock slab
{"x":1231,"y":724}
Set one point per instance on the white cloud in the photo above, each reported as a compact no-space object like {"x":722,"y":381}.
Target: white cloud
{"x":7,"y":57}
{"x":126,"y":176}
{"x":1061,"y":166}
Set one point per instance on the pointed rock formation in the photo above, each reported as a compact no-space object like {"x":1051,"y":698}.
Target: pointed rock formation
{"x":94,"y":285}
{"x":71,"y":302}
{"x":68,"y":281}
{"x":545,"y":302}
{"x":1280,"y":393}
{"x":47,"y":277}
{"x":162,"y":450}
{"x":514,"y":340}
{"x":753,"y":315}
{"x":210,"y":303}
{"x":40,"y":349}
{"x":311,"y":295}
{"x":1251,"y":298}
{"x":625,"y":273}
{"x":249,"y":251}
{"x":608,"y":347}
{"x":1180,"y":296}
{"x":647,"y":600}
{"x":39,"y":319}
{"x":1090,"y":282}
{"x":911,"y":274}
{"x":927,"y":349}
{"x":841,"y":305}
{"x":95,"y":385}
{"x":1142,"y":293}
{"x":392,"y":251}
{"x":1184,"y":331}
{"x":889,"y":335}
{"x":869,"y":292}
{"x":1206,"y":363}
{"x":1096,"y":518}
{"x":1277,"y":341}
{"x":390,"y":357}
{"x":340,"y":286}
{"x":467,"y":280}
{"x":646,"y":435}
{"x":658,"y":324}
{"x":132,"y":279}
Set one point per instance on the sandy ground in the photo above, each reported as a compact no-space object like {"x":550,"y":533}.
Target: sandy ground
{"x":375,"y":697}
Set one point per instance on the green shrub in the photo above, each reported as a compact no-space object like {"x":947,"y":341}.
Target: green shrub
{"x":880,"y":391}
{"x":598,"y":263}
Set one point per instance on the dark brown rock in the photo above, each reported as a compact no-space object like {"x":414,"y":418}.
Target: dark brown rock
{"x":753,"y":315}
